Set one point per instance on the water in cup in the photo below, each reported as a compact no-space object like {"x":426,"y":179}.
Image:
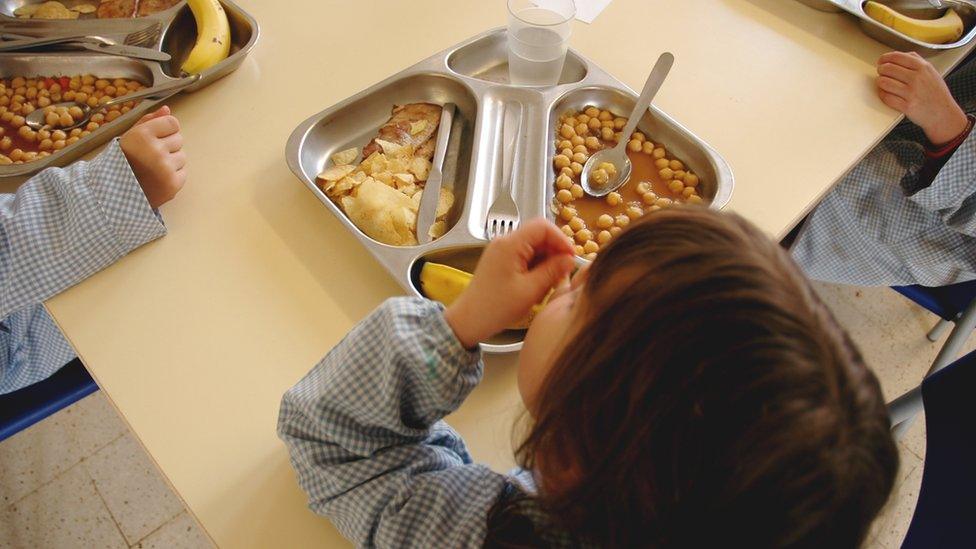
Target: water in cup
{"x":537,"y":42}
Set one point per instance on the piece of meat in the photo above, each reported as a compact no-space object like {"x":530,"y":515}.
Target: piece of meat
{"x":398,"y":129}
{"x":149,"y":7}
{"x":117,"y":9}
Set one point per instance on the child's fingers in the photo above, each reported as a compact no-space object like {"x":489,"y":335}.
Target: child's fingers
{"x":896,"y":72}
{"x":163,"y":126}
{"x":892,"y":86}
{"x":173,"y":142}
{"x":893,"y":101}
{"x":178,"y":160}
{"x":161,"y":111}
{"x":544,"y":237}
{"x":908,"y":60}
{"x":549,"y":273}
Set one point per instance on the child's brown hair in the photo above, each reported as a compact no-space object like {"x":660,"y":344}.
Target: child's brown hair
{"x":710,"y":400}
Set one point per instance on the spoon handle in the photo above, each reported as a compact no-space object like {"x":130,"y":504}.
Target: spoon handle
{"x":653,"y":84}
{"x":162,"y":89}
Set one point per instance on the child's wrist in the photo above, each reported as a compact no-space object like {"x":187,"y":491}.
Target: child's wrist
{"x":460,"y":324}
{"x":947,"y":129}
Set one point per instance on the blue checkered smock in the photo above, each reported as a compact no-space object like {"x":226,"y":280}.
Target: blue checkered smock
{"x":60,"y":227}
{"x":879,"y":226}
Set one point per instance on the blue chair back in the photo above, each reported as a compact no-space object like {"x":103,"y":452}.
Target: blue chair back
{"x":945,"y":301}
{"x":945,"y":514}
{"x":21,"y":409}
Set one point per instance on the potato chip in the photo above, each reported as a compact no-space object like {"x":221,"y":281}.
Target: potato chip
{"x":26,"y":10}
{"x":84,"y":8}
{"x":335,"y":173}
{"x":390,"y":148}
{"x":382,"y":213}
{"x":420,"y":167}
{"x":54,"y":10}
{"x":404,"y":179}
{"x":345,"y":157}
{"x":384,"y":177}
{"x":444,"y":203}
{"x":418,"y":126}
{"x":376,"y":162}
{"x":437,"y":229}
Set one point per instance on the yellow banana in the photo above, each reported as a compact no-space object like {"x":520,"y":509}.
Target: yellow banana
{"x":445,"y":284}
{"x":213,"y":36}
{"x":943,"y":30}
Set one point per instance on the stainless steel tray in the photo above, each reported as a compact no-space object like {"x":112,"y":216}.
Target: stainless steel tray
{"x":474,"y":76}
{"x":891,"y":37}
{"x":176,"y":35}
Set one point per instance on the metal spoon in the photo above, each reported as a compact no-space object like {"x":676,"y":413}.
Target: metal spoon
{"x":618,"y":155}
{"x":36,"y":120}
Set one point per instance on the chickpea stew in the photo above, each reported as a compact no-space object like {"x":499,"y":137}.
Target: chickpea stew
{"x":658,"y":179}
{"x":21,"y":96}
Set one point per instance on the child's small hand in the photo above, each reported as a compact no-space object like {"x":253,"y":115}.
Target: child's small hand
{"x":514,"y":273}
{"x":154,"y":149}
{"x":912,"y":86}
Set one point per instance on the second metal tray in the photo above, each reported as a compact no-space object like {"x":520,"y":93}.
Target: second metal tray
{"x":474,"y":76}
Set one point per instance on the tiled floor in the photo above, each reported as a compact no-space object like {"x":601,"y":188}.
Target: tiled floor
{"x":80,"y":479}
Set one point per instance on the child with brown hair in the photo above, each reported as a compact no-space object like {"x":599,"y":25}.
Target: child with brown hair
{"x":687,"y":390}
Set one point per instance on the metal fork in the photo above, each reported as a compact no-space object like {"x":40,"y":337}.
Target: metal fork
{"x":146,"y":35}
{"x":503,"y":215}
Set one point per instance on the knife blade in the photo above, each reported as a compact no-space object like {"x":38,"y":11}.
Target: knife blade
{"x":427,"y":213}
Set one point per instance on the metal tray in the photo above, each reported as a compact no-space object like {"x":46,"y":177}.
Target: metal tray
{"x":897,"y":40}
{"x":175,"y":34}
{"x":474,"y":75}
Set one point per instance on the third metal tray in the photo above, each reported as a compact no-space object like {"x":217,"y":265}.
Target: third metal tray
{"x":474,"y":76}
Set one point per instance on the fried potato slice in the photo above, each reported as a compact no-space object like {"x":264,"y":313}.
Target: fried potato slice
{"x":343,"y":158}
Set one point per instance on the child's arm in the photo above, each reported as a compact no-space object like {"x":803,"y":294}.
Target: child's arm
{"x":363,"y":427}
{"x":64,"y":225}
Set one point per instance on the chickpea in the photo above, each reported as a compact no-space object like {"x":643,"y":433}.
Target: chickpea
{"x":81,"y":97}
{"x":592,"y":112}
{"x":607,"y":124}
{"x":84,"y":134}
{"x":666,"y":174}
{"x":568,"y":152}
{"x":606,"y":115}
{"x":649,"y":198}
{"x":583,"y":119}
{"x":660,"y":152}
{"x":31,"y":93}
{"x":695,"y":199}
{"x":592,"y":143}
{"x":132,"y":85}
{"x":590,"y":256}
{"x":617,"y":136}
{"x":591,"y":247}
{"x":43,"y":101}
{"x":614,"y":199}
{"x":577,"y":224}
{"x":58,"y":135}
{"x":17,"y":121}
{"x":691,"y":179}
{"x":603,"y":237}
{"x":564,"y":196}
{"x":687,"y":192}
{"x":29,"y":156}
{"x":2,"y":131}
{"x":619,"y":123}
{"x":577,"y":191}
{"x":27,"y":109}
{"x":58,"y":145}
{"x":43,"y":134}
{"x":101,"y":84}
{"x":643,"y":187}
{"x":23,"y":131}
{"x":679,"y":175}
{"x":605,"y":221}
{"x":17,"y":82}
{"x":46,"y":145}
{"x":6,"y":143}
{"x":634,"y":212}
{"x":563,"y":182}
{"x":74,"y":84}
{"x":600,"y":177}
{"x":577,"y":168}
{"x":639,"y":136}
{"x":567,"y":231}
{"x":580,"y":149}
{"x":7,"y":116}
{"x":112,"y":115}
{"x":676,"y":186}
{"x":653,"y":208}
{"x":584,"y":235}
{"x":75,"y":132}
{"x":677,"y":165}
{"x":606,"y":134}
{"x":567,"y":171}
{"x":634,"y":145}
{"x":5,"y":161}
{"x":566,"y":131}
{"x":92,"y":101}
{"x":664,"y":202}
{"x":16,"y":155}
{"x":87,"y":80}
{"x":75,"y":111}
{"x":647,"y":147}
{"x":564,"y":144}
{"x":577,"y":140}
{"x":572,"y":121}
{"x":582,"y":129}
{"x":662,"y":163}
{"x":622,"y":220}
{"x":580,"y":157}
{"x":561,"y":161}
{"x":568,"y":213}
{"x":609,"y":168}
{"x":594,"y":124}
{"x":578,"y":249}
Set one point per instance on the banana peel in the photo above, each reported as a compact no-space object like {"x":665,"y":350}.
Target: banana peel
{"x":445,"y":284}
{"x":213,"y":36}
{"x":944,"y":30}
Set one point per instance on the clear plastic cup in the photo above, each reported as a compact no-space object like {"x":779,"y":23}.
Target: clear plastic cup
{"x":538,"y":37}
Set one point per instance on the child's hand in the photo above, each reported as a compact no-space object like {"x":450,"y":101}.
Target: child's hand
{"x":911,"y":85}
{"x":514,"y":273}
{"x":153,"y":148}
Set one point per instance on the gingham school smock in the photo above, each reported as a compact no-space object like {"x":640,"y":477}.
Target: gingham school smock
{"x":878,"y":227}
{"x":367,"y":442}
{"x":60,"y":227}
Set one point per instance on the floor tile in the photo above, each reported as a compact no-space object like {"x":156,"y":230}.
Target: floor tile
{"x":66,"y":512}
{"x":898,"y":513}
{"x":93,"y":423}
{"x":180,"y":533}
{"x":35,"y":456}
{"x":138,"y":498}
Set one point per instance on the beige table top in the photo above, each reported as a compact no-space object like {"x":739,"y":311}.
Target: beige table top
{"x":196,"y":336}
